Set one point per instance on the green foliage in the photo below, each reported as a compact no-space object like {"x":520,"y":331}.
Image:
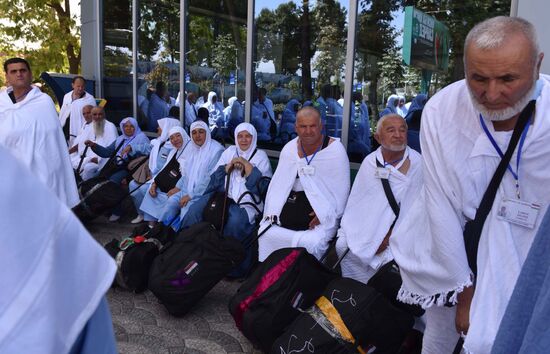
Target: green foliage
{"x":43,"y":31}
{"x":391,"y":70}
{"x":278,"y":37}
{"x":460,"y":17}
{"x":331,"y":40}
{"x":224,"y":55}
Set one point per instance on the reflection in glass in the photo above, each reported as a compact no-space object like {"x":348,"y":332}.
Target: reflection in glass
{"x":117,"y":59}
{"x":299,"y":60}
{"x":158,"y":61}
{"x":216,"y":57}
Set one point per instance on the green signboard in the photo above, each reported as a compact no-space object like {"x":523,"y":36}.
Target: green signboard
{"x":426,"y":41}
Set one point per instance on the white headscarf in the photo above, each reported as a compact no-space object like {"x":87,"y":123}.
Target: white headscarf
{"x":231,"y":100}
{"x":237,"y":184}
{"x":166,"y":124}
{"x":199,"y":156}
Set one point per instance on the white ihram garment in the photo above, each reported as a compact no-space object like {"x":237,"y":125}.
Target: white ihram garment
{"x":459,"y":162}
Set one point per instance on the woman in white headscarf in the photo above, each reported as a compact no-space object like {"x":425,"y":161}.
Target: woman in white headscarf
{"x":215,"y":109}
{"x":164,"y":183}
{"x":120,"y":149}
{"x":195,"y":170}
{"x":158,"y":151}
{"x":245,"y":166}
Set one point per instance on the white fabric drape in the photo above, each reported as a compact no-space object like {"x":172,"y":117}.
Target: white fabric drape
{"x":54,"y":273}
{"x":327,"y":190}
{"x":73,"y":108}
{"x":30,"y":130}
{"x":199,"y":157}
{"x":166,"y":124}
{"x":368,"y":214}
{"x":459,"y":162}
{"x":237,"y":184}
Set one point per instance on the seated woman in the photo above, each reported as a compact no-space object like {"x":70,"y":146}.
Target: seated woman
{"x":195,"y":169}
{"x":130,"y":134}
{"x":163,"y":184}
{"x":158,"y":151}
{"x":247,"y":165}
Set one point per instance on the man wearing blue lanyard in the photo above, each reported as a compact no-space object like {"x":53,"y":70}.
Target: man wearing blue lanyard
{"x":466,"y":128}
{"x":369,"y":217}
{"x":308,"y":192}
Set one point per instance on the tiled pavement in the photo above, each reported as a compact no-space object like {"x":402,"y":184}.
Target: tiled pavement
{"x":142,"y":325}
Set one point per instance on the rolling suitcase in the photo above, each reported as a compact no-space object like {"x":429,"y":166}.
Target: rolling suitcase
{"x":287,"y":282}
{"x":193,"y":264}
{"x":349,"y":317}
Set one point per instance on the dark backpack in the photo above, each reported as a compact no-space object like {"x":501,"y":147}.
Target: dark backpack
{"x":268,"y":301}
{"x":133,"y":256}
{"x":349,"y":314}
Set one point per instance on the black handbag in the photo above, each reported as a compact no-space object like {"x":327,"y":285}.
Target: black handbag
{"x":169,"y":176}
{"x":218,"y":204}
{"x":114,"y":164}
{"x":296,"y":212}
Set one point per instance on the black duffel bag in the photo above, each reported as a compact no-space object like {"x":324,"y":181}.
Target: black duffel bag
{"x":289,"y":280}
{"x":193,"y":264}
{"x":133,"y":256}
{"x":98,"y":195}
{"x":349,"y":317}
{"x":387,"y":281}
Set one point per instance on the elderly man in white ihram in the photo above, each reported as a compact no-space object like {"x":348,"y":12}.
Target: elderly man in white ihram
{"x":466,"y":128}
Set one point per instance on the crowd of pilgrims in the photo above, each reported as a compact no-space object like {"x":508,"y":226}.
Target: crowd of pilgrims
{"x":195,"y":148}
{"x":272,"y":126}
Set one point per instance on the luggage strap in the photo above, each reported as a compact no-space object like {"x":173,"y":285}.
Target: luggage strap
{"x":327,"y":316}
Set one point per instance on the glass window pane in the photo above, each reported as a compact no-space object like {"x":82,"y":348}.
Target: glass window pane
{"x":117,"y":59}
{"x":299,"y":60}
{"x":158,"y":61}
{"x":216,"y":59}
{"x":380,"y":74}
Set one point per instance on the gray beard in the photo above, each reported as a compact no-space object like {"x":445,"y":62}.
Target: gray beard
{"x":99,"y":128}
{"x":506,"y":113}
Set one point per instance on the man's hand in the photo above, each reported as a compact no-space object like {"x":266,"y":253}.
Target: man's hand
{"x":153,"y":190}
{"x":314,"y":222}
{"x":94,"y":160}
{"x":184,"y":200}
{"x":173,"y":191}
{"x":73,"y":149}
{"x":462,"y":320}
{"x":89,"y":143}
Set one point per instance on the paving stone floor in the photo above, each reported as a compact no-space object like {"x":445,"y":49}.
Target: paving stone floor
{"x":143,"y":326}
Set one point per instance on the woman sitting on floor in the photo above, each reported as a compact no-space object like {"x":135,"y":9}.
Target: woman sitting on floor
{"x":200,"y":160}
{"x":246,"y":166}
{"x":164,"y":184}
{"x":158,"y":151}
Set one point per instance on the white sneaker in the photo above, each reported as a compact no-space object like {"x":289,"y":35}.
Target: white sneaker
{"x":137,"y":220}
{"x":114,"y":217}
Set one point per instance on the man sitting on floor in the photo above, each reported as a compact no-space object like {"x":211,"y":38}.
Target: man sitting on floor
{"x":308,"y":192}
